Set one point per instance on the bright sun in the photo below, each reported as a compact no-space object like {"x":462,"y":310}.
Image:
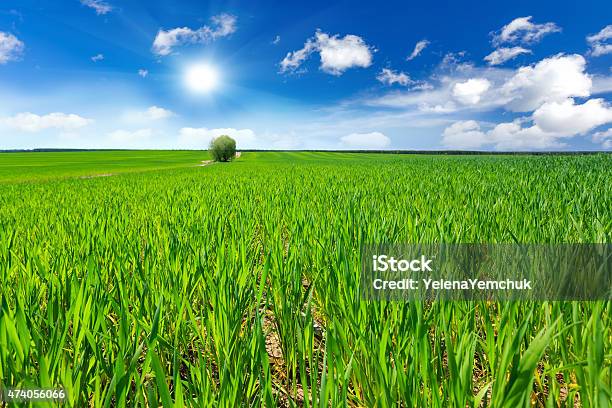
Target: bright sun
{"x":201,"y":78}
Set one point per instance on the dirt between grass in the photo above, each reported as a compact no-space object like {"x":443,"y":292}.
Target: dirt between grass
{"x":98,"y":175}
{"x":207,"y":162}
{"x":202,"y":163}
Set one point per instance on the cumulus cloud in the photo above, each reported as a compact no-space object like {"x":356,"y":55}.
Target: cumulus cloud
{"x":143,"y":73}
{"x":504,"y":136}
{"x":418,"y":48}
{"x":501,"y":55}
{"x":552,"y":79}
{"x":471,"y":91}
{"x":337,"y":53}
{"x":467,"y":87}
{"x":548,"y":90}
{"x":566,"y":118}
{"x":522,"y":30}
{"x":604,"y":138}
{"x":101,"y":7}
{"x":601,"y":83}
{"x":222,"y":25}
{"x":276,"y":40}
{"x":441,"y":94}
{"x":514,"y":136}
{"x":156,"y":113}
{"x":98,"y":57}
{"x":366,"y":141}
{"x":30,"y":122}
{"x":546,"y":128}
{"x":11,"y":48}
{"x":199,"y":138}
{"x":601,"y":43}
{"x":464,"y":134}
{"x":389,"y":77}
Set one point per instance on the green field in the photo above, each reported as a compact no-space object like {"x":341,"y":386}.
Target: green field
{"x":36,"y":166}
{"x":237,"y":284}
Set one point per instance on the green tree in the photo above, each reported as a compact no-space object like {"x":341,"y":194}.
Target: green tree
{"x":222,"y":148}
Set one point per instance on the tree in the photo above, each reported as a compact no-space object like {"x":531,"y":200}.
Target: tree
{"x":222,"y":148}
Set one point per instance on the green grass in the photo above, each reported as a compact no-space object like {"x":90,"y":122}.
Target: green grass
{"x":36,"y":166}
{"x":238,"y":284}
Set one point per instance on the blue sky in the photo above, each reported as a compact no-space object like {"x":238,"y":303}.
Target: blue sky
{"x":306,"y":75}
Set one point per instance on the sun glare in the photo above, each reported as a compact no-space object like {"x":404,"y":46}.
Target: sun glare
{"x":201,"y":78}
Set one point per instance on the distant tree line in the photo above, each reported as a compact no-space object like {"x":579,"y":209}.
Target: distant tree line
{"x":431,"y":152}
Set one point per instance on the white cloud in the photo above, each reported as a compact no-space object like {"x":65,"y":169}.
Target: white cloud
{"x":337,"y":53}
{"x":600,"y":49}
{"x":525,"y":89}
{"x":552,"y":79}
{"x":501,"y":55}
{"x":101,"y":7}
{"x":366,"y":141}
{"x":600,"y":43}
{"x":505,"y":136}
{"x":150,"y":114}
{"x":603,"y":35}
{"x":11,"y":48}
{"x":30,"y":122}
{"x":276,"y":40}
{"x":294,"y":59}
{"x":340,"y":54}
{"x":604,"y":138}
{"x":438,"y":94}
{"x":601,"y":84}
{"x":464,"y":134}
{"x":447,"y":107}
{"x":165,"y":40}
{"x":513,"y":136}
{"x":418,"y":48}
{"x":156,"y":113}
{"x":98,"y":57}
{"x":143,"y":73}
{"x":471,"y":91}
{"x":522,"y":30}
{"x":452,"y":60}
{"x":568,"y":119}
{"x":223,"y":25}
{"x":389,"y":77}
{"x":199,"y":138}
{"x":549,"y":125}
